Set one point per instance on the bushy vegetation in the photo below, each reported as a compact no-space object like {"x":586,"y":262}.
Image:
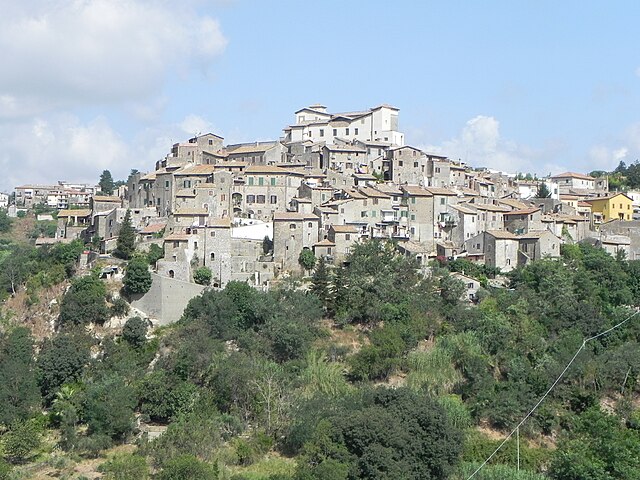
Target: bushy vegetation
{"x":307,"y":375}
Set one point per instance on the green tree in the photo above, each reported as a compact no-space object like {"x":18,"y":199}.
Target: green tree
{"x":202,"y":276}
{"x":321,"y":283}
{"x":125,"y":245}
{"x":134,"y":332}
{"x":163,"y":396}
{"x":307,"y":259}
{"x":106,"y":182}
{"x":600,"y":447}
{"x":155,"y":253}
{"x":22,"y":439}
{"x":267,"y":245}
{"x":84,"y":303}
{"x":137,"y":278}
{"x":125,"y":466}
{"x":19,"y":396}
{"x":62,"y":360}
{"x":187,"y":467}
{"x":5,"y":221}
{"x":108,"y":407}
{"x":543,"y":191}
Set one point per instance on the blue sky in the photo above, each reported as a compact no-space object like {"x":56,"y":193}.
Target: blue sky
{"x":519,"y":86}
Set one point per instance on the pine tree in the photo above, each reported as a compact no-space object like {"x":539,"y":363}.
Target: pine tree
{"x":543,"y":191}
{"x":106,"y":183}
{"x":321,"y":284}
{"x":125,"y":245}
{"x":137,"y":279}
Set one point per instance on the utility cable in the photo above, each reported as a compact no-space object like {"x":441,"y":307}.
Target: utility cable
{"x":535,"y":407}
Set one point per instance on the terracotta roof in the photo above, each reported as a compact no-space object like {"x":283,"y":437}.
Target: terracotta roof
{"x":440,"y":191}
{"x":502,"y":234}
{"x":74,"y":213}
{"x":177,"y":237}
{"x":251,"y":148}
{"x":608,"y":197}
{"x":573,"y":175}
{"x":324,"y":243}
{"x":491,"y":208}
{"x":195,"y":170}
{"x":416,"y":191}
{"x":524,"y":211}
{"x":464,"y":209}
{"x":372,"y":192}
{"x":344,"y":228}
{"x":105,"y":198}
{"x":270,"y":169}
{"x":148,"y":176}
{"x":155,"y":228}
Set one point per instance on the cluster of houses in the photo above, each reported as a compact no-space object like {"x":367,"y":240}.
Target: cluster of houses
{"x":331,"y":180}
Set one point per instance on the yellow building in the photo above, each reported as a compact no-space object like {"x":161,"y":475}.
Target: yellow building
{"x":616,"y":206}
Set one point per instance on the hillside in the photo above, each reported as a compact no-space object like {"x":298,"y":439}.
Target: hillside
{"x":371,"y":372}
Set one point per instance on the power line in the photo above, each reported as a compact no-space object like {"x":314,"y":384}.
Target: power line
{"x":535,"y":407}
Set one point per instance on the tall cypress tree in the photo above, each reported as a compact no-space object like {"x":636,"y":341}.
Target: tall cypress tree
{"x":321,"y":285}
{"x":106,"y":182}
{"x":125,"y":245}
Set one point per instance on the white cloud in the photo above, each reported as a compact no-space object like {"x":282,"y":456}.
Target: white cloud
{"x":60,"y":146}
{"x":196,"y":125}
{"x":78,"y":52}
{"x":480,"y":144}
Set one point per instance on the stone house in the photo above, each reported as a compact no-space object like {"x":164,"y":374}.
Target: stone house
{"x":535,"y":245}
{"x":343,"y":237}
{"x":292,"y":232}
{"x":267,"y":189}
{"x":523,"y":221}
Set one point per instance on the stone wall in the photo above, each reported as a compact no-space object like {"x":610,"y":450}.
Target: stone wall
{"x":167,"y":299}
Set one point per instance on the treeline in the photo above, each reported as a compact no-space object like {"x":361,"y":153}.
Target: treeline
{"x":624,"y":177}
{"x":375,"y":371}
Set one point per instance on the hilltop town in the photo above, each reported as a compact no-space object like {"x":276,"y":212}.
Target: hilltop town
{"x":231,"y":314}
{"x":331,"y":180}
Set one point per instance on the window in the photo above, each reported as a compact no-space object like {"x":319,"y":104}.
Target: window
{"x":400,"y":163}
{"x":166,"y":184}
{"x":335,"y":132}
{"x":413,"y":217}
{"x":210,"y":142}
{"x":413,"y":200}
{"x":251,"y":198}
{"x":373,"y":213}
{"x":415,"y":164}
{"x":292,"y":226}
{"x":355,"y":131}
{"x":443,"y":201}
{"x":195,"y":244}
{"x":347,"y":236}
{"x":437,"y":169}
{"x":250,"y":180}
{"x":273,"y":181}
{"x":260,"y":199}
{"x":310,"y":225}
{"x":403,"y":214}
{"x":346,"y":131}
{"x":187,"y":184}
{"x":223,"y":197}
{"x":375,"y":201}
{"x":322,"y":132}
{"x":213,"y":256}
{"x":273,"y":199}
{"x":260,"y":181}
{"x":213,"y":234}
{"x":363,"y":214}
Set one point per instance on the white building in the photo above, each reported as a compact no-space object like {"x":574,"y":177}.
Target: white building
{"x":315,"y":124}
{"x":4,"y":200}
